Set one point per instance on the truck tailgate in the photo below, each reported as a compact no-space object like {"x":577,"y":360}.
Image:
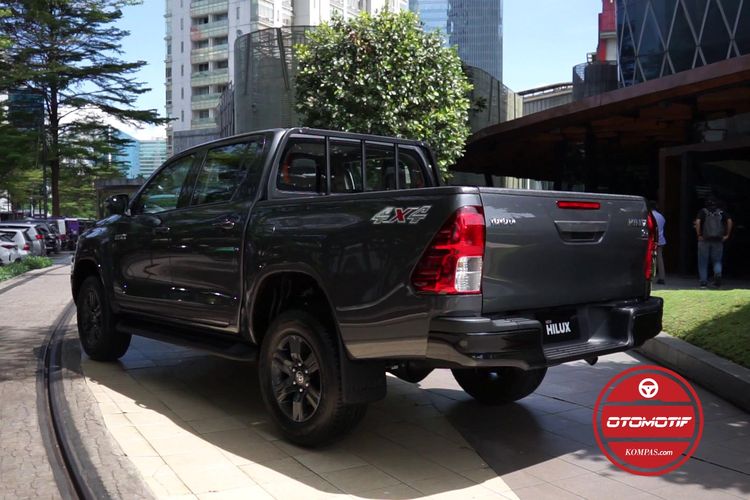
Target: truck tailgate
{"x":539,"y":255}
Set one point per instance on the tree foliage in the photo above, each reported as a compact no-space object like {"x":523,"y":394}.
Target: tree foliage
{"x":69,"y":52}
{"x":384,"y":75}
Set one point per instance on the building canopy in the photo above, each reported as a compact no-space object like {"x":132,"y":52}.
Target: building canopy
{"x":658,"y":113}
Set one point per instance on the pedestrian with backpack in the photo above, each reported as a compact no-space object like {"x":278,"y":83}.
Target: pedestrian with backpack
{"x":713,"y":226}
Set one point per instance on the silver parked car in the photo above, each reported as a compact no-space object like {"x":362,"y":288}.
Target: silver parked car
{"x":38,"y":246}
{"x":20,"y":237}
{"x":8,"y":250}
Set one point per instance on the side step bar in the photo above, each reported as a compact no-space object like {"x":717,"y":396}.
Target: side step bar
{"x":211,"y":344}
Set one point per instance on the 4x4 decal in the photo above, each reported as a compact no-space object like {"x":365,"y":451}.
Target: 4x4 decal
{"x":396,"y":215}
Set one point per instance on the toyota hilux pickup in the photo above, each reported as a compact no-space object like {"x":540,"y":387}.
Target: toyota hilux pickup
{"x":331,"y":258}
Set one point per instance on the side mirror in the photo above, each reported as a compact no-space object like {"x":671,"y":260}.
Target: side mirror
{"x":117,"y":204}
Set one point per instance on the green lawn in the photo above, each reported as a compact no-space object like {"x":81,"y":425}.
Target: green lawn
{"x":16,"y":268}
{"x":716,"y":320}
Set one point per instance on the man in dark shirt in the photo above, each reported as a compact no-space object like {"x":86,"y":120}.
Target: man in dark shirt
{"x":713,"y":226}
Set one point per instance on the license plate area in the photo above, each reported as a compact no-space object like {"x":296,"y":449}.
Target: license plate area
{"x":559,"y":327}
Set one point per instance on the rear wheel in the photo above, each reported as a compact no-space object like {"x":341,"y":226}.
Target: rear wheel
{"x":96,"y":324}
{"x":494,"y":386}
{"x":300,"y":380}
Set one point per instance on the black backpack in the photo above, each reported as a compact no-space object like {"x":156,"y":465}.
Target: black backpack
{"x":713,"y":224}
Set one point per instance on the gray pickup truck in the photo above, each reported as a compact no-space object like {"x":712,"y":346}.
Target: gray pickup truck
{"x":331,"y":258}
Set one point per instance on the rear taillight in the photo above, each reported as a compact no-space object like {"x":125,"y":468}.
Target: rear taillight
{"x":8,"y":246}
{"x":39,"y":236}
{"x":26,"y":247}
{"x":649,"y":263}
{"x":452,"y":264}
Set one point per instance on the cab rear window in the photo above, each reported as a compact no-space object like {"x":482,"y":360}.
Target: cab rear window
{"x":354,"y":166}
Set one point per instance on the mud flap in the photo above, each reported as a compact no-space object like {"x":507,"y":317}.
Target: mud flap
{"x":362,"y":381}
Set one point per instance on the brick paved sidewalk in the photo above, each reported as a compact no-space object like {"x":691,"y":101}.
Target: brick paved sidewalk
{"x":28,"y":311}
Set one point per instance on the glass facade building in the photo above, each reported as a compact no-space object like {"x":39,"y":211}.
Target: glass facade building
{"x":662,"y":37}
{"x":475,"y":27}
{"x":151,"y":155}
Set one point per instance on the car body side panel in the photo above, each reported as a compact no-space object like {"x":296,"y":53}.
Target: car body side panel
{"x":364,"y":263}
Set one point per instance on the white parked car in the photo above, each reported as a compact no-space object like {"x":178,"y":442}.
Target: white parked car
{"x":38,"y":246}
{"x":20,"y":237}
{"x":8,"y":250}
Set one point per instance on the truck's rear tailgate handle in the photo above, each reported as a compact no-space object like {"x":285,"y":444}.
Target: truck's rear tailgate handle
{"x":581,"y":231}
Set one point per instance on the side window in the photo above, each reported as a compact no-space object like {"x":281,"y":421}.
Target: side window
{"x":379,"y":167}
{"x":410,"y":171}
{"x":222,"y":171}
{"x":346,"y":166}
{"x":303,"y":166}
{"x":162,"y":193}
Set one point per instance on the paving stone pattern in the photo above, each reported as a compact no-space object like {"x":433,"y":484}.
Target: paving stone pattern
{"x":28,"y":311}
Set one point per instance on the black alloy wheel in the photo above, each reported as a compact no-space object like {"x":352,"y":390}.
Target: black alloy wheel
{"x":295,"y":375}
{"x":300,"y":380}
{"x":96,"y":323}
{"x":91,"y":316}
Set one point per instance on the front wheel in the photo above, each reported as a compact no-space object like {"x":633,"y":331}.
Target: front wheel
{"x":96,"y":324}
{"x":300,"y":380}
{"x":495,"y":386}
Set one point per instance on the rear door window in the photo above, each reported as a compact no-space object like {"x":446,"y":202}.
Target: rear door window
{"x":303,"y":166}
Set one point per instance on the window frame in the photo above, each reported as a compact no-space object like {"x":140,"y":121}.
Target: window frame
{"x":198,"y":168}
{"x":429,"y":169}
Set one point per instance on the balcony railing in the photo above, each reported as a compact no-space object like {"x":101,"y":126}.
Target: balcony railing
{"x":205,"y":101}
{"x":203,"y":7}
{"x":207,"y":30}
{"x":203,"y":122}
{"x":205,"y":97}
{"x":212,"y":77}
{"x":209,"y":54}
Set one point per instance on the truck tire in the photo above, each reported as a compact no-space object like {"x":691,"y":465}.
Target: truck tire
{"x":96,"y":323}
{"x":493,"y":386}
{"x":300,"y":380}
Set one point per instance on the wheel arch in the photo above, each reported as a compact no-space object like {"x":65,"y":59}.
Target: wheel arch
{"x":283,"y":288}
{"x":83,"y":269}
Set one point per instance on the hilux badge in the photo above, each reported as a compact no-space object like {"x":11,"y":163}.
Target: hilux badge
{"x":557,"y":328}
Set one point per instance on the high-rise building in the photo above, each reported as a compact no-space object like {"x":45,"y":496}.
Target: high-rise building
{"x":474,"y":26}
{"x":664,"y":37}
{"x":200,"y":36}
{"x":129,"y":155}
{"x":151,"y":154}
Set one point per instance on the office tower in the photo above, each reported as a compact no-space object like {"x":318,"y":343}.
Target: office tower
{"x":474,"y":26}
{"x":151,"y":154}
{"x":200,"y":36}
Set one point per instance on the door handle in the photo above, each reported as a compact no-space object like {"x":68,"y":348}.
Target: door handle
{"x":161,"y":229}
{"x":227,"y":222}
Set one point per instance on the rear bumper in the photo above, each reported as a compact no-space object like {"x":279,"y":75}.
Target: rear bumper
{"x":519,"y":341}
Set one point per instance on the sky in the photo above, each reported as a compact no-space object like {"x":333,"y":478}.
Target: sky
{"x":543,"y":40}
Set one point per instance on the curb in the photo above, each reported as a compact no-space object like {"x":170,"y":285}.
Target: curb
{"x":721,"y":376}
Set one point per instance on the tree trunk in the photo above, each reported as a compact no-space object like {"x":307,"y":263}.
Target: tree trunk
{"x":54,"y":152}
